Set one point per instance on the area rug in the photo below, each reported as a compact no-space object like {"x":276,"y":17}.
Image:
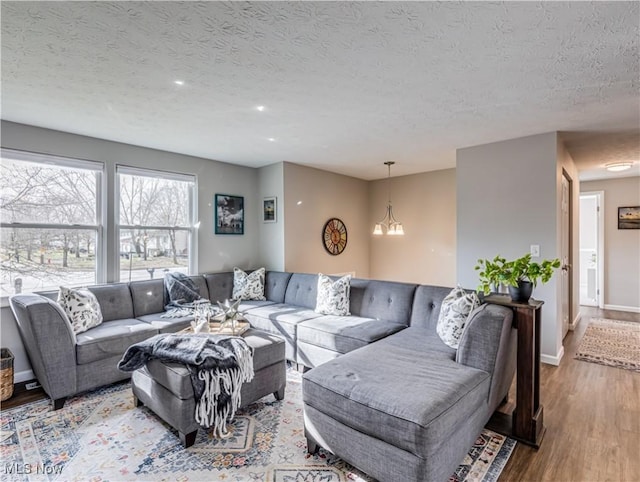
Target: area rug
{"x":612,"y":343}
{"x":101,"y":436}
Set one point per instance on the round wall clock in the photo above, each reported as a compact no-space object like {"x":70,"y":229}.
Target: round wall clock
{"x":334,"y":236}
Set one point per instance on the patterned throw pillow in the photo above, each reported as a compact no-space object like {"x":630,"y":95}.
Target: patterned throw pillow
{"x":454,"y":313}
{"x":333,"y":296}
{"x":82,"y":308}
{"x":248,"y":286}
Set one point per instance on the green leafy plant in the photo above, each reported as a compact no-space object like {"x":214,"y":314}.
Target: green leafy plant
{"x":499,"y":270}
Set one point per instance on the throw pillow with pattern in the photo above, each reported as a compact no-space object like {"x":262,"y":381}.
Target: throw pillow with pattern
{"x":333,"y":296}
{"x":454,"y":312}
{"x":81,"y":307}
{"x":248,"y":286}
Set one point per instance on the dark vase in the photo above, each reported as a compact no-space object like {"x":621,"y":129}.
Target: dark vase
{"x":522,"y":292}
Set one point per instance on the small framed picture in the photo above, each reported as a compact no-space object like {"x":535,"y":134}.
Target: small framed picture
{"x":629,"y":217}
{"x":229,"y":214}
{"x":269,"y":207}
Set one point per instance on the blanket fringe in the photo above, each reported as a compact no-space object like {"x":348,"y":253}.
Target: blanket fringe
{"x":209,"y":413}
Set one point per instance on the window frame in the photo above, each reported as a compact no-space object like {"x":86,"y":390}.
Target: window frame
{"x":99,"y":169}
{"x":192,"y":212}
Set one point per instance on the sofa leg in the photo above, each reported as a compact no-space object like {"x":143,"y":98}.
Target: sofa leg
{"x":58,"y":403}
{"x":137,"y":402}
{"x":312,"y":446}
{"x":279,"y":394}
{"x":188,"y":439}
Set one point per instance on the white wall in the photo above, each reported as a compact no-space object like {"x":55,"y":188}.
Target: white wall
{"x":311,"y":198}
{"x":271,"y":184}
{"x":621,"y":246}
{"x":426,"y":205}
{"x":507,"y":200}
{"x":215,"y":253}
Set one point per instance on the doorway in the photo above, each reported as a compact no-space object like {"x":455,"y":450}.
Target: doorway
{"x":591,"y":249}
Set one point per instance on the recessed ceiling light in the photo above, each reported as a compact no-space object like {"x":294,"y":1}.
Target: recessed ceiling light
{"x":618,"y":166}
{"x":271,"y":139}
{"x":178,"y":82}
{"x":260,"y":108}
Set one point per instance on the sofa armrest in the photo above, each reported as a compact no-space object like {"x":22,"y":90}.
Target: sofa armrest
{"x":49,"y":341}
{"x":489,"y":343}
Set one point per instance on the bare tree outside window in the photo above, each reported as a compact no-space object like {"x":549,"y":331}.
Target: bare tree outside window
{"x":48,"y":211}
{"x":155,"y":223}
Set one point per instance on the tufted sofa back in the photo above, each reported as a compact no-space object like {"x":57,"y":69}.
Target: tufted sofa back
{"x":426,"y":306}
{"x":382,"y":300}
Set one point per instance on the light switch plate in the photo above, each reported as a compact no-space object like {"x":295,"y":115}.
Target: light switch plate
{"x":535,"y":250}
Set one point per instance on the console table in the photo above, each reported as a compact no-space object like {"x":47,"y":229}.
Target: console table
{"x":525,"y":424}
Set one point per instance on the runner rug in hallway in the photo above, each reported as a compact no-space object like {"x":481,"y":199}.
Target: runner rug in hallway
{"x":611,"y":342}
{"x":101,"y":436}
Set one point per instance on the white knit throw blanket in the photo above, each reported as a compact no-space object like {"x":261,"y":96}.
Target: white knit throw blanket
{"x":216,"y":381}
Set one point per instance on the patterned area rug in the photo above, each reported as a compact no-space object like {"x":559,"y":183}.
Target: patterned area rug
{"x":611,"y":342}
{"x":100,"y":436}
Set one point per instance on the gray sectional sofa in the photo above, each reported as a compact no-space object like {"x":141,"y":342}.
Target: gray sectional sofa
{"x":385,"y":393}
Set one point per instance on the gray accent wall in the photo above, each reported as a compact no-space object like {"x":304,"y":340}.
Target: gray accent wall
{"x":508,"y":195}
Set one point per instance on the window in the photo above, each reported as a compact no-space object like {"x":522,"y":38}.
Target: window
{"x":155,"y":223}
{"x":50,"y":231}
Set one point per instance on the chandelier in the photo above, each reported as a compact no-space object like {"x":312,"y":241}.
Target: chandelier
{"x":389,"y":223}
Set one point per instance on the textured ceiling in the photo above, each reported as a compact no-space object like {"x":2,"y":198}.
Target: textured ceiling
{"x":345,"y":85}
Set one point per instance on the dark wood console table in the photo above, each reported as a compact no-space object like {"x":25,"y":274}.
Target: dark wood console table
{"x":525,"y":424}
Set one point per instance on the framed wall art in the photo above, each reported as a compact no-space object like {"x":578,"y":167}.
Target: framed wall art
{"x":629,"y":217}
{"x":269,"y":210}
{"x":229,"y":214}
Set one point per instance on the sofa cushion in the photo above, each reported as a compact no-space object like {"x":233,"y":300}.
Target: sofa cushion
{"x":110,"y":339}
{"x":148,"y":296}
{"x":454,"y":312}
{"x":426,"y":306}
{"x":382,"y":300}
{"x":166,"y":325}
{"x":333,"y":295}
{"x":388,"y":390}
{"x":248,"y":286}
{"x":220,"y":286}
{"x":275,"y":286}
{"x":302,"y":290}
{"x":344,"y":333}
{"x":115,"y":301}
{"x":81,"y":307}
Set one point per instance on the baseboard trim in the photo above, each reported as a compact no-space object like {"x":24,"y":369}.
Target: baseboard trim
{"x":574,"y":324}
{"x":630,"y":309}
{"x":553,"y":360}
{"x":23,"y":376}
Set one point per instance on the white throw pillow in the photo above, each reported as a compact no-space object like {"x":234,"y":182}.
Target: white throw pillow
{"x":454,"y":312}
{"x":333,"y":296}
{"x":248,"y":286}
{"x":82,"y":308}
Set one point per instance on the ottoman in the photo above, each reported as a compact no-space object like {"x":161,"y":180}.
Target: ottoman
{"x":166,"y":389}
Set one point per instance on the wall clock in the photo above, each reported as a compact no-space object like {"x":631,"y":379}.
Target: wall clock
{"x":334,"y":236}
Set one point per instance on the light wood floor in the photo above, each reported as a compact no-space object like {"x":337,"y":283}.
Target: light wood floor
{"x":592,"y":415}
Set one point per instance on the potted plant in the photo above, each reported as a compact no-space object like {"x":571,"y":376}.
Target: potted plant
{"x":521,"y":275}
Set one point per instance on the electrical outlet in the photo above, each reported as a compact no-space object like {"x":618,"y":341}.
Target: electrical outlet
{"x":535,"y":250}
{"x":32,"y":385}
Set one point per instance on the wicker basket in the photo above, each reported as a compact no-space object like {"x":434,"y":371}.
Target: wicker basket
{"x":6,"y":374}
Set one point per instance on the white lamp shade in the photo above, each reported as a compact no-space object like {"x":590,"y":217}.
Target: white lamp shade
{"x":377,"y":230}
